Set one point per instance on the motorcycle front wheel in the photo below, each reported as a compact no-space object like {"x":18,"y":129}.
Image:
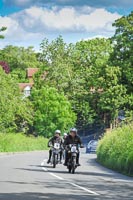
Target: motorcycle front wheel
{"x":54,"y":160}
{"x":73,"y":165}
{"x":69,"y":168}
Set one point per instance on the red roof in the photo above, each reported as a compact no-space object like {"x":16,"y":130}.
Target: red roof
{"x":23,"y":85}
{"x":31,"y":71}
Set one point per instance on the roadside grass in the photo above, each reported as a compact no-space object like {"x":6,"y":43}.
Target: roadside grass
{"x":115,"y":150}
{"x":20,"y":142}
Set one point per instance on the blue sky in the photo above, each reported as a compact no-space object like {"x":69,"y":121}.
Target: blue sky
{"x":28,"y":22}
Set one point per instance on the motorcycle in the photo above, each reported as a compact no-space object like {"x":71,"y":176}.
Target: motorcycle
{"x":56,"y":149}
{"x":72,"y":157}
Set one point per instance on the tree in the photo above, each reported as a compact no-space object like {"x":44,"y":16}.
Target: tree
{"x":122,"y":55}
{"x":113,"y":96}
{"x":75,"y":69}
{"x":123,"y":49}
{"x":87,"y":76}
{"x":90,"y":59}
{"x":1,"y":30}
{"x":14,"y":110}
{"x":52,"y":111}
{"x":56,"y":56}
{"x":19,"y":59}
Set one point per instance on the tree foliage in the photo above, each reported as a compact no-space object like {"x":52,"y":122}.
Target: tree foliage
{"x":14,"y":110}
{"x":122,"y":56}
{"x":52,"y":111}
{"x":1,"y":30}
{"x":123,"y":49}
{"x":19,"y":59}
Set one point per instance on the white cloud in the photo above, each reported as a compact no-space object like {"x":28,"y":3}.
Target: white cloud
{"x":93,"y":37}
{"x":35,"y":23}
{"x":14,"y":29}
{"x":65,"y":19}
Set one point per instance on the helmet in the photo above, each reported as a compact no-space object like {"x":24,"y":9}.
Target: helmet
{"x":73,"y":130}
{"x":58,"y":131}
{"x":65,"y":134}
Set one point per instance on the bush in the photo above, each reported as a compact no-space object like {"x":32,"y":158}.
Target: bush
{"x":20,"y":142}
{"x":115,"y":150}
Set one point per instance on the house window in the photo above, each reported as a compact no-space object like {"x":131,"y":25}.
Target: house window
{"x":27,"y":91}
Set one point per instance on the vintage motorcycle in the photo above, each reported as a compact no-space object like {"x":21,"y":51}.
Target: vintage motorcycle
{"x":56,"y":149}
{"x":72,"y":157}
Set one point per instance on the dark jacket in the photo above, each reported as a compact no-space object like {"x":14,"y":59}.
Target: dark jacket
{"x":54,"y":140}
{"x":70,"y":140}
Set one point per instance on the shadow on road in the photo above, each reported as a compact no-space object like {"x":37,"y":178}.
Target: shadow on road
{"x":53,"y":196}
{"x":65,"y":171}
{"x":40,"y":196}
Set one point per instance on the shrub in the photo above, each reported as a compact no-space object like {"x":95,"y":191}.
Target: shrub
{"x":115,"y":150}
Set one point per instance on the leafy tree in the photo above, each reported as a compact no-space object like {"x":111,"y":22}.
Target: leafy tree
{"x":15,"y":111}
{"x":1,"y":30}
{"x":113,"y":96}
{"x":89,"y":77}
{"x":19,"y":59}
{"x":56,"y":56}
{"x":75,"y":69}
{"x":123,"y":49}
{"x":122,"y":56}
{"x":90,"y":59}
{"x":52,"y":111}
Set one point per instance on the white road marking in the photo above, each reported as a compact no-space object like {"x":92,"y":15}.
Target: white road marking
{"x":83,"y":188}
{"x":45,"y":169}
{"x":60,"y":178}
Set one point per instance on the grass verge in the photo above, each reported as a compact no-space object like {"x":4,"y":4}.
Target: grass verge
{"x":115,"y":150}
{"x":19,"y":142}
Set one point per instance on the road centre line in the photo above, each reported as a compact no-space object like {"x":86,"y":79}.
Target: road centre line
{"x":60,"y":178}
{"x":83,"y":188}
{"x":73,"y":184}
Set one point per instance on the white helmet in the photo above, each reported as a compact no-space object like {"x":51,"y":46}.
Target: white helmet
{"x":73,"y":130}
{"x":65,"y":134}
{"x":58,"y":131}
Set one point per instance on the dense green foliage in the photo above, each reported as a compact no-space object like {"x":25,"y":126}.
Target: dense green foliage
{"x":115,"y":150}
{"x":122,"y":56}
{"x":20,"y":142}
{"x":14,"y":111}
{"x":19,"y":59}
{"x":52,"y":111}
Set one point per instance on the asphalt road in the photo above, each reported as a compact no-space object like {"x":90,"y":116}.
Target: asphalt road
{"x":27,"y":176}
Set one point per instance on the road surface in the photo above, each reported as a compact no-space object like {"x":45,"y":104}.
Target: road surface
{"x":27,"y":176}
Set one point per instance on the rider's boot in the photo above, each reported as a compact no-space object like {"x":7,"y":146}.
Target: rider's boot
{"x":50,"y":154}
{"x":77,"y":162}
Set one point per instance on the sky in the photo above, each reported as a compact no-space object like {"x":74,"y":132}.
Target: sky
{"x":28,"y":22}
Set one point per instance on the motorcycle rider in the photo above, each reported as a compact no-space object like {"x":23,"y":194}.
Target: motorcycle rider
{"x":64,"y":136}
{"x":56,"y":138}
{"x":72,"y":138}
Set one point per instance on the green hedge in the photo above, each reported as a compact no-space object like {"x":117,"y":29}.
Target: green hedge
{"x":115,"y":150}
{"x":20,"y":142}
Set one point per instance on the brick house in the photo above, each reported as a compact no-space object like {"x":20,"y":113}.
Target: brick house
{"x":25,"y":88}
